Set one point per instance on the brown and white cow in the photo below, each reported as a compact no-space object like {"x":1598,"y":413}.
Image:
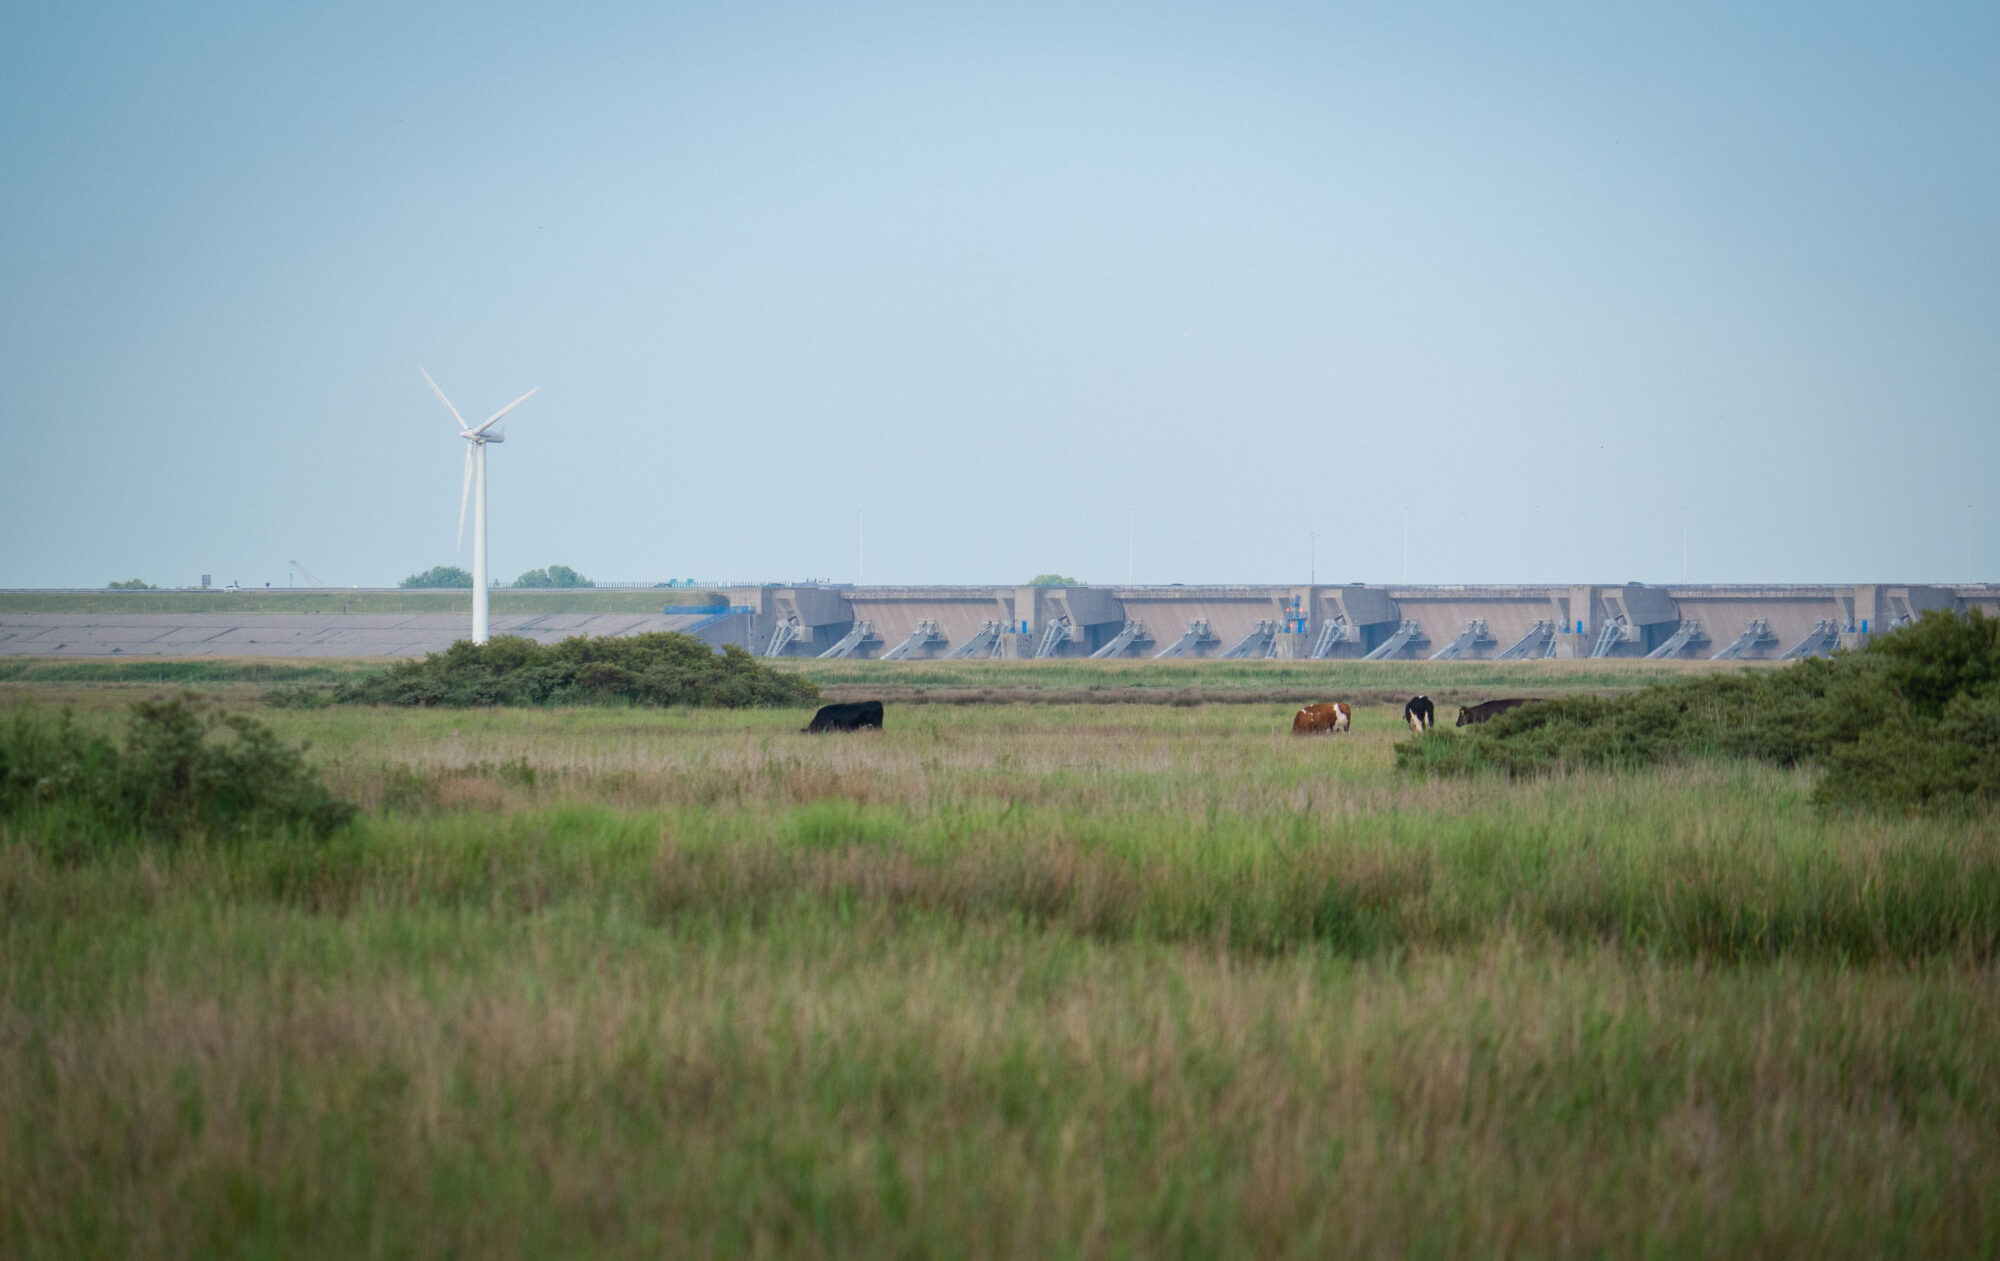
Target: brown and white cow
{"x":1326,"y":716}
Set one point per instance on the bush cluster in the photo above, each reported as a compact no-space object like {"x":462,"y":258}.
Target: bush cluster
{"x":185,"y":769}
{"x":559,"y":576}
{"x":660,"y":668}
{"x":447,"y":577}
{"x":1912,"y":721}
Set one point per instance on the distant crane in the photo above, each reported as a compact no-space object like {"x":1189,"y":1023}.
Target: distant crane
{"x":306,"y":574}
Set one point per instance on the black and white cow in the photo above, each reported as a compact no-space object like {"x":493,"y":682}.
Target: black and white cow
{"x":1420,"y":714}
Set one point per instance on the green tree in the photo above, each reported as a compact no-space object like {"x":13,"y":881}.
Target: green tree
{"x":131,"y":584}
{"x":439,"y":576}
{"x":553,"y":576}
{"x":1054,"y":580}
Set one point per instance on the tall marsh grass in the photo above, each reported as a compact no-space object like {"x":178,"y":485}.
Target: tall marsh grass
{"x":1023,"y":980}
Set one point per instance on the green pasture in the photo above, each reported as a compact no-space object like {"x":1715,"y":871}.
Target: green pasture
{"x":1058,"y":979}
{"x":1449,"y":682}
{"x":1220,"y":678}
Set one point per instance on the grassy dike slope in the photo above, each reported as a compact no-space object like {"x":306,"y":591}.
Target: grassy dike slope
{"x":1053,"y":980}
{"x":341,"y":600}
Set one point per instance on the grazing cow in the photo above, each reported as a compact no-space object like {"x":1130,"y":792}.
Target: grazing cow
{"x":1420,"y":714}
{"x":852,"y":716}
{"x":1490,"y":709}
{"x":1326,"y":716}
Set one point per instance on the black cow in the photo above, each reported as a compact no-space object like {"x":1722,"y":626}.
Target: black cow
{"x":1420,"y":714}
{"x":1490,"y":709}
{"x":852,"y":716}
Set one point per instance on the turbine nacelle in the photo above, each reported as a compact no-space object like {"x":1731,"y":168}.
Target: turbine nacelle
{"x":497,"y":435}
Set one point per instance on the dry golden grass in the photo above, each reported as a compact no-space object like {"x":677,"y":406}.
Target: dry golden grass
{"x":840,"y":1089}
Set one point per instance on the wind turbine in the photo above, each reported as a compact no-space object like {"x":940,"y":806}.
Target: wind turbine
{"x":475,"y":455}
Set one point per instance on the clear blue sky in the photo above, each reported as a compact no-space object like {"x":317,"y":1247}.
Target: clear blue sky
{"x":1018,"y":282}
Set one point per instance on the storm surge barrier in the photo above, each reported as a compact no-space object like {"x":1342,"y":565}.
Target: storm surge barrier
{"x":985,"y":644}
{"x":1757,"y":634}
{"x":1262,"y":641}
{"x":1134,"y":633}
{"x":1538,"y":642}
{"x":925,"y":635}
{"x":862,"y":632}
{"x":1405,"y":635}
{"x":1197,"y":635}
{"x":1331,"y":634}
{"x":1057,"y":634}
{"x":1819,"y":642}
{"x":1678,"y":642}
{"x":1475,"y":635}
{"x":782,"y":637}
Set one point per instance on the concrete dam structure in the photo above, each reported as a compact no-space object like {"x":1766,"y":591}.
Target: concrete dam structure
{"x":1356,"y":622}
{"x":1339,"y":623}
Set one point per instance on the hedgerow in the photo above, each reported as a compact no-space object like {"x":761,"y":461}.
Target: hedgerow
{"x":1911,"y":721}
{"x":661,"y":668}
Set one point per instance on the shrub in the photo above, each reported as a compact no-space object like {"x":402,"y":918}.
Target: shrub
{"x":1912,"y":721}
{"x":661,"y":668}
{"x":436,"y":576}
{"x":561,"y":576}
{"x":1053,"y":580}
{"x":185,"y":769}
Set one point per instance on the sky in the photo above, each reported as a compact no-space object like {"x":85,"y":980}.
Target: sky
{"x":965,"y":293}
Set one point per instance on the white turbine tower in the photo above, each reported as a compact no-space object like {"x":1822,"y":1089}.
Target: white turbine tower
{"x":475,"y":455}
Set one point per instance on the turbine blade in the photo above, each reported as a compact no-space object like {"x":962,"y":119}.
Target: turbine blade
{"x":464,"y":494}
{"x":503,"y":411}
{"x":442,"y":399}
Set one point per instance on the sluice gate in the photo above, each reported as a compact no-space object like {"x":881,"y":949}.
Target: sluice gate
{"x":863,"y":632}
{"x":1134,"y":633}
{"x":1407,"y":634}
{"x":1332,"y":634}
{"x":1688,"y":634}
{"x":782,"y":637}
{"x":1262,"y":641}
{"x":1198,"y":635}
{"x":1755,"y":635}
{"x":1475,"y":635}
{"x":985,"y":644}
{"x":1608,"y":638}
{"x":924,"y":636}
{"x":1819,"y":642}
{"x":1057,"y":634}
{"x":1540,"y":641}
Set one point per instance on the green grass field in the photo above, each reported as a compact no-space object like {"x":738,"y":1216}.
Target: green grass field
{"x":1080,"y":682}
{"x":1058,"y":979}
{"x":1120,"y":681}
